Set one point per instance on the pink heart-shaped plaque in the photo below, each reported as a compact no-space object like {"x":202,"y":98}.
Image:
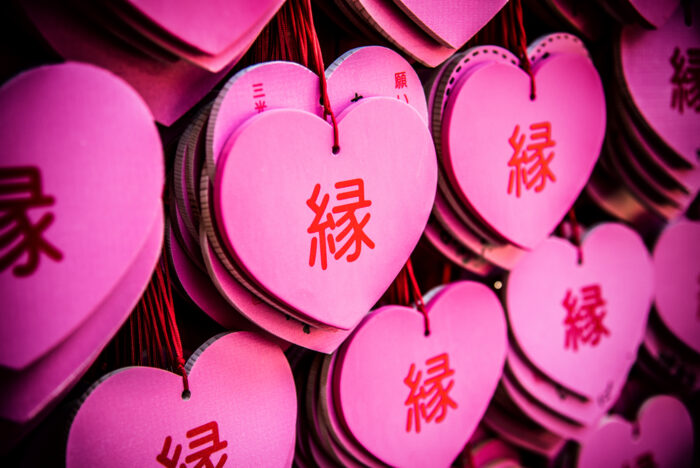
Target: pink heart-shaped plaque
{"x":449,"y":22}
{"x":81,"y":176}
{"x":242,"y":411}
{"x":210,"y":27}
{"x":656,"y":67}
{"x":662,"y":436}
{"x":677,"y":281}
{"x":390,"y":368}
{"x":281,"y":193}
{"x":30,"y":393}
{"x":521,"y":163}
{"x":581,"y":324}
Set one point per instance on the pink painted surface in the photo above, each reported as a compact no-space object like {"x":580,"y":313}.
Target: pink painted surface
{"x":490,"y":451}
{"x":268,"y":85}
{"x":96,"y":151}
{"x":655,"y":12}
{"x":169,"y":89}
{"x":240,"y":381}
{"x":677,"y":280}
{"x":367,"y":71}
{"x":240,"y":34}
{"x":378,"y":356}
{"x":559,"y":400}
{"x":661,"y":436}
{"x":479,"y":122}
{"x":646,"y":62}
{"x":614,"y":259}
{"x":397,"y":28}
{"x":449,"y":22}
{"x":384,"y":144}
{"x":374,"y":71}
{"x":27,"y":394}
{"x":210,"y":27}
{"x":541,"y":414}
{"x":324,"y":340}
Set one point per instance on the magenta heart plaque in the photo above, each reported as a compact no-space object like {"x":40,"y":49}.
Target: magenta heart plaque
{"x":581,"y":324}
{"x":241,"y":412}
{"x":336,"y":228}
{"x":81,"y":180}
{"x":431,"y":391}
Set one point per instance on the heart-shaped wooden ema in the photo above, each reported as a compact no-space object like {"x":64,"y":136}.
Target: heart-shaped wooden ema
{"x":449,"y":22}
{"x":210,"y":27}
{"x":655,"y":12}
{"x":381,"y":185}
{"x":82,"y":176}
{"x":242,"y":407}
{"x":30,"y":393}
{"x":389,"y":368}
{"x":169,"y":88}
{"x":581,"y":324}
{"x":656,"y":69}
{"x":677,"y":280}
{"x":662,"y":436}
{"x":522,"y":189}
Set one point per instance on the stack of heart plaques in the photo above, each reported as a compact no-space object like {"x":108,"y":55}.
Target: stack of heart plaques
{"x":428,"y":32}
{"x":511,"y":164}
{"x":577,"y":317}
{"x":299,"y":237}
{"x":670,"y":353}
{"x":81,"y":180}
{"x":651,"y":172}
{"x":400,"y":392}
{"x":172,"y":53}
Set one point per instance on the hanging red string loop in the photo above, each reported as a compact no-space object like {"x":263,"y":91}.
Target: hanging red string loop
{"x":418,"y":297}
{"x":520,"y":38}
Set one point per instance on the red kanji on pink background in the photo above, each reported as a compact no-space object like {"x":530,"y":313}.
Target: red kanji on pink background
{"x":340,"y":233}
{"x":584,"y":318}
{"x":685,"y":80}
{"x":429,"y":400}
{"x":529,"y":167}
{"x":204,"y":443}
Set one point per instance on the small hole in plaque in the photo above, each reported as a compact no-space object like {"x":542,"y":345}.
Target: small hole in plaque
{"x":427,"y":333}
{"x":546,"y":54}
{"x":335,"y":149}
{"x":186,"y":395}
{"x":452,"y":80}
{"x":458,"y":69}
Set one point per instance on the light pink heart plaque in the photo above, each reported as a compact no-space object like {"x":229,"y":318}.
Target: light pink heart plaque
{"x":581,"y":324}
{"x":658,"y":78}
{"x":449,"y":22}
{"x":662,"y":436}
{"x":169,"y":88}
{"x":242,"y":411}
{"x":520,"y":164}
{"x":431,"y":391}
{"x":81,"y":178}
{"x":336,"y":229}
{"x":29,"y":393}
{"x":677,"y":280}
{"x":210,"y":27}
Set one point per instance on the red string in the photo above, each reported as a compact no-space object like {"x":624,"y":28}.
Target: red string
{"x":418,"y":296}
{"x":167,"y":314}
{"x":305,"y":12}
{"x":517,"y":8}
{"x":446,"y":273}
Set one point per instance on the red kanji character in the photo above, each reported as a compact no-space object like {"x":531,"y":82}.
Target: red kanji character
{"x":260,"y":106}
{"x":203,"y":456}
{"x":20,"y":190}
{"x":530,"y":166}
{"x":685,"y":80}
{"x":319,"y":228}
{"x":353,"y":229}
{"x":584,"y":323}
{"x":430,"y":400}
{"x":405,"y":96}
{"x":437,"y":405}
{"x":400,"y":80}
{"x":163,"y":459}
{"x":415,"y":396}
